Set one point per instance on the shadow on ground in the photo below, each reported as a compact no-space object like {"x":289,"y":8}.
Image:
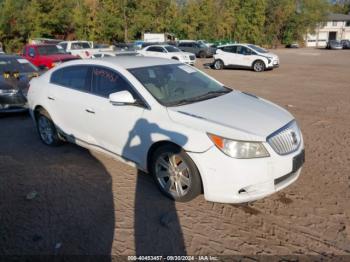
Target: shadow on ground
{"x":59,"y":201}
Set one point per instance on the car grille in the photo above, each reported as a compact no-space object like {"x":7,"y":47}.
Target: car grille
{"x":285,"y":140}
{"x":192,"y":57}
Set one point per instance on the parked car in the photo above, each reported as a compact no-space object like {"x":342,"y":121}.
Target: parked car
{"x":115,"y":53}
{"x":188,"y":130}
{"x":292,"y":45}
{"x":169,"y":52}
{"x":244,"y":56}
{"x":204,"y":42}
{"x":15,"y":75}
{"x":46,"y":56}
{"x":334,"y":44}
{"x":345,"y":43}
{"x":83,"y":49}
{"x":200,"y":50}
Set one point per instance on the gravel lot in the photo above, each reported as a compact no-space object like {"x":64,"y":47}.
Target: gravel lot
{"x":68,"y":200}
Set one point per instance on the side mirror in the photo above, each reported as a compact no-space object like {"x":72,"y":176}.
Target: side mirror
{"x":122,"y":98}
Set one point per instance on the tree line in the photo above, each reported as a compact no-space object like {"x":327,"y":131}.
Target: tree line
{"x":264,"y":22}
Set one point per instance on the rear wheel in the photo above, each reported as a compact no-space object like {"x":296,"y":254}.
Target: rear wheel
{"x":175,"y":173}
{"x":46,"y":129}
{"x":202,"y":54}
{"x":259,"y":66}
{"x":218,"y":64}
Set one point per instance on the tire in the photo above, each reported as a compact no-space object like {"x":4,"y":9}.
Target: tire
{"x":46,"y":129}
{"x":218,"y":64}
{"x":259,"y":66}
{"x":202,"y":54}
{"x":175,"y":173}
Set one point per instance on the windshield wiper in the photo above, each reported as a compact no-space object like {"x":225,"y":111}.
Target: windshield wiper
{"x":206,"y":96}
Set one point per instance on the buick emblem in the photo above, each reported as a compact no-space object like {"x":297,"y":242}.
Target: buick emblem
{"x":294,"y":138}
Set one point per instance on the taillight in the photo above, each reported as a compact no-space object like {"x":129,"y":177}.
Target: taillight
{"x":87,"y":53}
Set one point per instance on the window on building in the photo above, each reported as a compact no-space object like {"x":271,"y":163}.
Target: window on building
{"x":347,"y":23}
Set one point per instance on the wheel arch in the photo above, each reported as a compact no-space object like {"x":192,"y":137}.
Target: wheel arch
{"x":37,"y":109}
{"x":155,"y":146}
{"x":262,"y":59}
{"x":159,"y":144}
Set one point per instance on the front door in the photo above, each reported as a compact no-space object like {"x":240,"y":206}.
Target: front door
{"x":114,"y":125}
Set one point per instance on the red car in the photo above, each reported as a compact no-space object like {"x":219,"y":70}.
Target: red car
{"x":46,"y":56}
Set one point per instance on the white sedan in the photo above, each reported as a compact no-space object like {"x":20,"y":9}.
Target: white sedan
{"x":173,"y":121}
{"x":169,"y":52}
{"x":244,"y":56}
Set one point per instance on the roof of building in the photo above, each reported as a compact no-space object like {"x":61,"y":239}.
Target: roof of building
{"x":339,"y":17}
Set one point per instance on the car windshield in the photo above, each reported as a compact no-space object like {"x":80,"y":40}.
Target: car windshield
{"x":17,"y":64}
{"x":171,"y":49}
{"x":258,"y":49}
{"x":50,"y":50}
{"x":80,"y":45}
{"x":178,"y":84}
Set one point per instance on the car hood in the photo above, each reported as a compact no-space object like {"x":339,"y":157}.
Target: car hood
{"x":270,"y":55}
{"x":235,"y":115}
{"x":61,"y":57}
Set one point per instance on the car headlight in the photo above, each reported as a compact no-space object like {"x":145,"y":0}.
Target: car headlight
{"x":239,"y":149}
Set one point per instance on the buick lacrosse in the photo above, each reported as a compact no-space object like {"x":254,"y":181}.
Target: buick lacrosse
{"x":193,"y":134}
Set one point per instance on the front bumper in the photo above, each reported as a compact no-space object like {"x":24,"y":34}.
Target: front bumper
{"x":274,"y":64}
{"x":13,"y":102}
{"x":229,"y":180}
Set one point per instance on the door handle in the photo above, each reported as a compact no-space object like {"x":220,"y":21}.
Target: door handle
{"x":50,"y":98}
{"x":90,"y":111}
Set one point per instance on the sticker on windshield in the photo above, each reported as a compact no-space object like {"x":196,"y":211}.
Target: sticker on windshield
{"x":187,"y":69}
{"x":22,"y":61}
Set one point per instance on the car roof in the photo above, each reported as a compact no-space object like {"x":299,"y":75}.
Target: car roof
{"x":160,"y":45}
{"x":126,"y":62}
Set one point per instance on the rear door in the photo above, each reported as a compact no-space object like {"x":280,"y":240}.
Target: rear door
{"x":69,"y":101}
{"x":229,"y":56}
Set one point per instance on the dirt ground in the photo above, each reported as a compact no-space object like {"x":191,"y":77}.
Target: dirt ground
{"x":68,"y":200}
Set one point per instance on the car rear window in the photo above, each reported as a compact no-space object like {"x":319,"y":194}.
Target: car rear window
{"x":75,"y":77}
{"x":16,"y":64}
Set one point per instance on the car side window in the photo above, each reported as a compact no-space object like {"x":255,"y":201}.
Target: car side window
{"x":242,"y":50}
{"x":75,"y":77}
{"x":106,"y":82}
{"x":31,"y":51}
{"x":230,"y":49}
{"x":64,"y":46}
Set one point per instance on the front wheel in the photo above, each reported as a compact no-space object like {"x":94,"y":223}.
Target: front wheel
{"x":175,"y":173}
{"x":259,"y":66}
{"x":218,"y":65}
{"x":47,"y":130}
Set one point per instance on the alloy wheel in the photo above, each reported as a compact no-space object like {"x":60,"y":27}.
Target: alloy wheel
{"x":46,"y":130}
{"x":173,"y":174}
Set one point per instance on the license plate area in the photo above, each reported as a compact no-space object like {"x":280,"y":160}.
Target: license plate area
{"x":298,"y":161}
